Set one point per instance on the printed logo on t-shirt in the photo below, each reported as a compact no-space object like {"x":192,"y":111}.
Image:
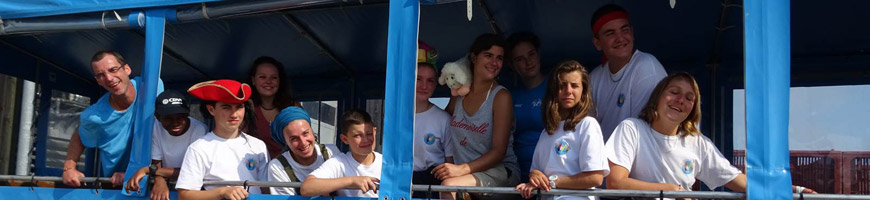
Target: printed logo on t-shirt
{"x":429,"y":139}
{"x":536,"y":103}
{"x":688,"y":166}
{"x":464,"y":141}
{"x":620,"y":100}
{"x":250,"y":164}
{"x":562,"y":147}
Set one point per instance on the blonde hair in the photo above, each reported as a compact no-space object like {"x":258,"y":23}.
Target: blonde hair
{"x":550,"y":109}
{"x":690,"y":124}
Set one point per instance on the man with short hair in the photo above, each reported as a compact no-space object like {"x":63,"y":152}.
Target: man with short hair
{"x":622,"y":84}
{"x":292,"y":130}
{"x":359,"y":168}
{"x":174,"y":131}
{"x":108,"y":124}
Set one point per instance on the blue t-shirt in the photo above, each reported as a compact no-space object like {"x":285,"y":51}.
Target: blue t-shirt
{"x":110,"y":131}
{"x":529,"y":124}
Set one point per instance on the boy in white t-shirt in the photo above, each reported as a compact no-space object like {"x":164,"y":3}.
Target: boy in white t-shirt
{"x":622,"y":84}
{"x":292,"y":130}
{"x":225,"y":154}
{"x":174,"y":131}
{"x":358,"y":168}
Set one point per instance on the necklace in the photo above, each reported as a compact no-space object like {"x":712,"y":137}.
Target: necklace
{"x":264,"y":108}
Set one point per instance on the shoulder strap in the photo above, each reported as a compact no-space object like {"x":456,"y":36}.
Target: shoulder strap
{"x":288,"y":168}
{"x":324,"y":152}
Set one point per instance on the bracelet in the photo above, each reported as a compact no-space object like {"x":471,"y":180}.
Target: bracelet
{"x":799,"y":189}
{"x":68,"y":168}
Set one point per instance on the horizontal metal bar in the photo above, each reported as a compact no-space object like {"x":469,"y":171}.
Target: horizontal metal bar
{"x":255,"y":183}
{"x":591,"y":192}
{"x":64,"y":23}
{"x":502,"y":190}
{"x":53,"y":178}
{"x":221,"y":10}
{"x":184,"y":14}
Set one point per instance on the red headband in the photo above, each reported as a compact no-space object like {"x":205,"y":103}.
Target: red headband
{"x":607,"y":18}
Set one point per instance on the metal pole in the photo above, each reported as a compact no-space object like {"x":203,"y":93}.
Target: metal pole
{"x":767,"y":38}
{"x":53,"y":178}
{"x":25,"y":122}
{"x":185,"y":14}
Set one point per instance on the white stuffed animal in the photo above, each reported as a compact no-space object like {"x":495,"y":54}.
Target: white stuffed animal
{"x":457,"y":76}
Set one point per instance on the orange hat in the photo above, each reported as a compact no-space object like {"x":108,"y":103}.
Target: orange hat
{"x":224,"y":90}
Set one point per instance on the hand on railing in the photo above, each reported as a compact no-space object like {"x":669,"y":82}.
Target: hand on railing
{"x":71,"y":177}
{"x":801,"y":189}
{"x":233,"y":193}
{"x":160,"y":190}
{"x":525,"y":190}
{"x":539,"y":180}
{"x":133,"y":183}
{"x":366,"y":183}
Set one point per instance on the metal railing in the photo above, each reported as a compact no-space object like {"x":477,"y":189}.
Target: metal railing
{"x":499,"y":190}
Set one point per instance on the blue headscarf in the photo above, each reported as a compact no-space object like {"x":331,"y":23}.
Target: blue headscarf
{"x":286,"y":116}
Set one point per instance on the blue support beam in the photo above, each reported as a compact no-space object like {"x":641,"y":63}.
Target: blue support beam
{"x":399,"y":100}
{"x":767,"y":38}
{"x":155,"y":24}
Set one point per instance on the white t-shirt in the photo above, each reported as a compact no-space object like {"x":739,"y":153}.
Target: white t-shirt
{"x":623,"y":94}
{"x":343,"y":165}
{"x":566,"y":153}
{"x":278,"y":174}
{"x":431,"y":141}
{"x":170,"y":149}
{"x":657,"y":158}
{"x":212,"y":158}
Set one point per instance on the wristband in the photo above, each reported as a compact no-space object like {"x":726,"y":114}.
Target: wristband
{"x":799,"y":189}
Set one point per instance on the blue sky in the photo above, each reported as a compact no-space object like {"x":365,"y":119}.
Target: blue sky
{"x":820,"y":118}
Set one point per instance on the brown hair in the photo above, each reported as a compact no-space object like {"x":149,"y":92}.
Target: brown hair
{"x":102,"y":54}
{"x":354,"y":117}
{"x":550,"y":110}
{"x":284,"y":95}
{"x":688,"y":126}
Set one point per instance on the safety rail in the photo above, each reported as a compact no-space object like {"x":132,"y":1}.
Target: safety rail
{"x":500,"y":190}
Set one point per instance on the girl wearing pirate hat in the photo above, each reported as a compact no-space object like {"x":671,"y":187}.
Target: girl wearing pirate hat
{"x":225,"y":153}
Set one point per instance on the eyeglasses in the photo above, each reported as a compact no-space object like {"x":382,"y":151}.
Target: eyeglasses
{"x":112,"y":70}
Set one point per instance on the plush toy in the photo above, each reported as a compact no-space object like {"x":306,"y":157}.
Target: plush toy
{"x":457,"y":76}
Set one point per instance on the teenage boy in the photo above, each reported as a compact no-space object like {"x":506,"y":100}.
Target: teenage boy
{"x":358,"y":168}
{"x":622,"y":84}
{"x":225,"y":153}
{"x":174,"y":131}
